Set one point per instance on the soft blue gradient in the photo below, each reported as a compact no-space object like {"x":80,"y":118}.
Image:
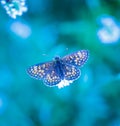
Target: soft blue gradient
{"x":56,"y":28}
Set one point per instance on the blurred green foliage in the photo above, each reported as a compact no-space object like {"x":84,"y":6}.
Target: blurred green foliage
{"x":47,"y":29}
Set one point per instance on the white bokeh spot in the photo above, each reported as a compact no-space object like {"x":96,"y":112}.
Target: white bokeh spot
{"x":110,"y":31}
{"x":21,"y":29}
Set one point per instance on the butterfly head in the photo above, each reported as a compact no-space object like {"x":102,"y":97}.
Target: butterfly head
{"x":57,"y":58}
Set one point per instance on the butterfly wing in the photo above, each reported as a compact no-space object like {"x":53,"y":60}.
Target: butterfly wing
{"x":39,"y":71}
{"x":52,"y":78}
{"x":46,"y":72}
{"x":71,"y":72}
{"x":77,"y":59}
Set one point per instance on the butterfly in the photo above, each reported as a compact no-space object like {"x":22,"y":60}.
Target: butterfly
{"x":61,"y":71}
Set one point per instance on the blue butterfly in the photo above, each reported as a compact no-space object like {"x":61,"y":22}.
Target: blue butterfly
{"x":60,"y":72}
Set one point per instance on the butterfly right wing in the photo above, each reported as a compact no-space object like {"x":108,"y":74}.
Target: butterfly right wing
{"x":78,"y":58}
{"x":71,"y":72}
{"x":46,"y":72}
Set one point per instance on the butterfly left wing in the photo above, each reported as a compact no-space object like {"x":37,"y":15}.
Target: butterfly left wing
{"x":45,"y":72}
{"x":77,"y":59}
{"x":40,"y":70}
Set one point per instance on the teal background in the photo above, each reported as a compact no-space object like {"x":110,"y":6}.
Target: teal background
{"x":59,"y":27}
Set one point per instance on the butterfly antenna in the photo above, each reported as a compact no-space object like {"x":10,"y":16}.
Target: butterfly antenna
{"x":66,"y":50}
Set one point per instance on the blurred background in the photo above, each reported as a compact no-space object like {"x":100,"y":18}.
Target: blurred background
{"x":59,"y":27}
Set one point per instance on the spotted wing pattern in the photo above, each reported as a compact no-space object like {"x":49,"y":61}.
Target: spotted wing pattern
{"x":52,"y":78}
{"x":71,"y":72}
{"x":39,"y":71}
{"x":46,"y":72}
{"x":77,"y":59}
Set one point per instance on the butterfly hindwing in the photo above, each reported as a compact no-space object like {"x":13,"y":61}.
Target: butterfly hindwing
{"x":71,"y":72}
{"x":52,"y":78}
{"x":77,"y":59}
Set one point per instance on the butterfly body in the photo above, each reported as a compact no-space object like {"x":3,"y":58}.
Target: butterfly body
{"x":61,"y":71}
{"x":58,"y":67}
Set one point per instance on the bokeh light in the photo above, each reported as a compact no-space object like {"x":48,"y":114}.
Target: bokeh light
{"x":21,"y":29}
{"x":110,"y":30}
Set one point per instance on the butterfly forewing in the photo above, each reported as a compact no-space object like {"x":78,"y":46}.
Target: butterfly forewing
{"x":77,"y":59}
{"x":39,"y":71}
{"x":71,"y":72}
